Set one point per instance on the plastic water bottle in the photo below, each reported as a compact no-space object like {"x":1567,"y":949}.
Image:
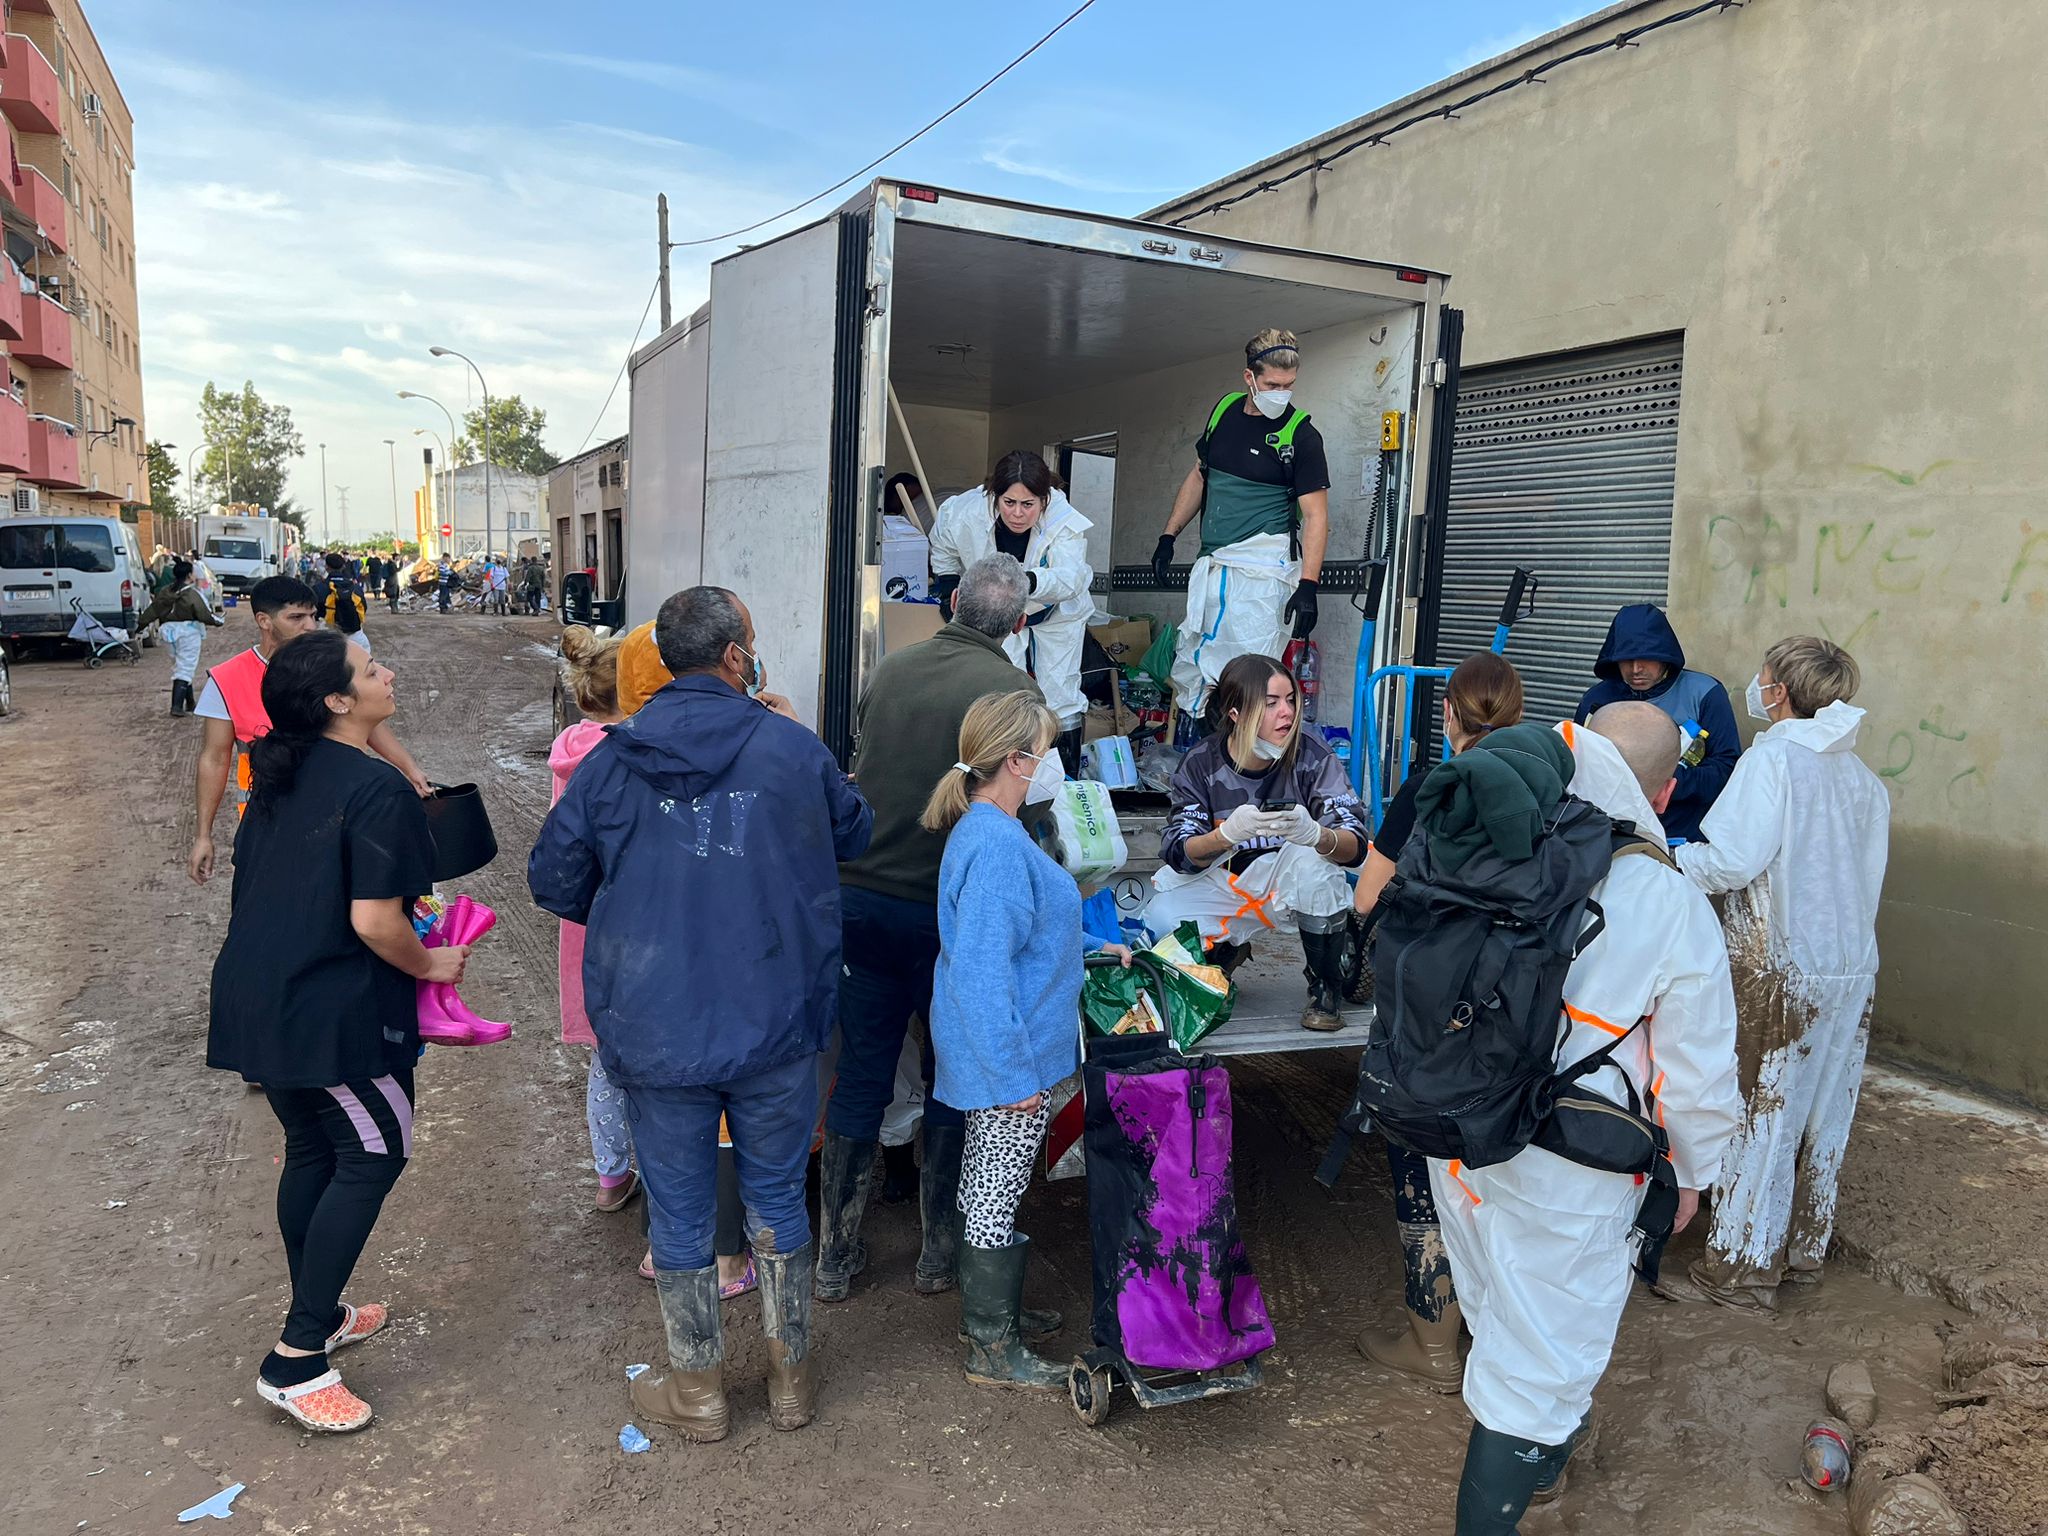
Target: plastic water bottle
{"x":1304,"y":660}
{"x":1825,"y":1460}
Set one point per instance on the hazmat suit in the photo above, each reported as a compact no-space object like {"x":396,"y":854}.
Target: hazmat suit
{"x":1057,"y":612}
{"x":1540,"y":1246}
{"x":1798,"y":839}
{"x":1236,"y":601}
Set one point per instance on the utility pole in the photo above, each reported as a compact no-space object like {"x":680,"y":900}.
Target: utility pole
{"x":341,"y":503}
{"x":661,"y":219}
{"x":325,"y":531}
{"x":392,"y":444}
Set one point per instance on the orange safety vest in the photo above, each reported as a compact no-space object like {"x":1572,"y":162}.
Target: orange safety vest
{"x":240,"y":680}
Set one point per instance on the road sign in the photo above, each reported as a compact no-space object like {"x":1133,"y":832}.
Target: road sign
{"x":447,"y":531}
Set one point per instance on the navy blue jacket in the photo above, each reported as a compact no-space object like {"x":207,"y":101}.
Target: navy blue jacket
{"x":700,"y":843}
{"x":1640,"y":632}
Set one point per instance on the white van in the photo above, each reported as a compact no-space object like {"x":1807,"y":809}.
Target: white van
{"x":45,"y":562}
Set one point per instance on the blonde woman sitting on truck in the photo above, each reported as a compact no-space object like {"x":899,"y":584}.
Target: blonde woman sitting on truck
{"x":1021,"y":511}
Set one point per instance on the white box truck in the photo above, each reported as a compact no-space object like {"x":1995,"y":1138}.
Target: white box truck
{"x":762,"y":428}
{"x":241,"y":546}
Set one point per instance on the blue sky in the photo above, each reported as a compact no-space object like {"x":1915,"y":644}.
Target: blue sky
{"x":323,"y":192}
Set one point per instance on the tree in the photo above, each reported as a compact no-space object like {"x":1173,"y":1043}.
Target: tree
{"x":164,"y":476}
{"x":515,"y":436}
{"x":257,"y":441}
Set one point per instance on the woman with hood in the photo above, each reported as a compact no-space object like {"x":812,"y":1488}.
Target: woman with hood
{"x":1643,"y":662}
{"x":1022,"y":511}
{"x":1798,"y":841}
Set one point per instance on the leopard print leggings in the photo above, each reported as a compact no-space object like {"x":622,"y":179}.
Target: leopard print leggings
{"x":995,"y":1170}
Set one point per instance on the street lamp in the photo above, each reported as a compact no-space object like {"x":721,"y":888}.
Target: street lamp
{"x":326,"y":533}
{"x":447,"y":460}
{"x":480,"y":384}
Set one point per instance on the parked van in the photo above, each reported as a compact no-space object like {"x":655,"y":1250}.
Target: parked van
{"x":45,"y":562}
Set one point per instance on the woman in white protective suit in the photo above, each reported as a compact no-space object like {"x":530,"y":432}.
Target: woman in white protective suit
{"x":1541,"y":1246}
{"x":1264,"y":824}
{"x":1021,"y":511}
{"x":1798,"y":838}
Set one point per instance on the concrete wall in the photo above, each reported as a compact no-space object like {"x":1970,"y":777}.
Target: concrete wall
{"x":1845,"y":209}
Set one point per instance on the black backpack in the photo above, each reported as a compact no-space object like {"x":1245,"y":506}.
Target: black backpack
{"x":341,"y":604}
{"x":1469,"y":972}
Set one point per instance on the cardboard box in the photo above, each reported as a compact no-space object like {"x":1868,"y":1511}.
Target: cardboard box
{"x":906,"y":562}
{"x":1126,"y":640}
{"x":1105,"y":721}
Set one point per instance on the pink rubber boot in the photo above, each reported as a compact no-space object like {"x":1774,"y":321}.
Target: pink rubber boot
{"x":437,"y":1025}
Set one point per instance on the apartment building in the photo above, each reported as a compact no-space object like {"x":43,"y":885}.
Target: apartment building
{"x":71,"y":433}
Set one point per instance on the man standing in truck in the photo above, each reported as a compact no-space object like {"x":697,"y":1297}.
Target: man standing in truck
{"x":1261,"y":484}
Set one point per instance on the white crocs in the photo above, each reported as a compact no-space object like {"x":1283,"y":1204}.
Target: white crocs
{"x":322,"y":1403}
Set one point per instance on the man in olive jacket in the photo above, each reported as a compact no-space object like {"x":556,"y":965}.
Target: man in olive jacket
{"x":909,"y":728}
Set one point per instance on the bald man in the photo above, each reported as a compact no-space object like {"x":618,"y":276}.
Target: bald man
{"x":1540,"y":1246}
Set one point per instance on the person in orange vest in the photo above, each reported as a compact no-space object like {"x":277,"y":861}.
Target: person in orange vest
{"x":231,"y":704}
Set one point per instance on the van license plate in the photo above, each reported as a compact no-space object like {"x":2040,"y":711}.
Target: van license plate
{"x":30,"y":594}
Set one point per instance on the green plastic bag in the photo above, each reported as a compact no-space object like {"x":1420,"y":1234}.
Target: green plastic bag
{"x":1157,"y":663}
{"x":1152,"y":985}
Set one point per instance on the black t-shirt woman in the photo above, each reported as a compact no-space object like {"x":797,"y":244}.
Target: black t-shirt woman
{"x":314,"y":996}
{"x":1484,"y":694}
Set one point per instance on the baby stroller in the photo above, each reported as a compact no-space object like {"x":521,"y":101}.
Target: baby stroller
{"x":1178,"y":1314}
{"x":99,"y":640}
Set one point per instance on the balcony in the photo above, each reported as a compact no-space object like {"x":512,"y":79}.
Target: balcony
{"x":52,"y":456}
{"x":11,"y":300}
{"x":45,"y":334}
{"x":28,"y":88}
{"x":13,"y":434}
{"x":37,"y":201}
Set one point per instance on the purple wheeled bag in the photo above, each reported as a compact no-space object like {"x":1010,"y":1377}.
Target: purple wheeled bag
{"x":1174,"y":1291}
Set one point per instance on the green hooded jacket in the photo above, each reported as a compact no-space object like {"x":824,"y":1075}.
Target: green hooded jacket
{"x":1500,"y":792}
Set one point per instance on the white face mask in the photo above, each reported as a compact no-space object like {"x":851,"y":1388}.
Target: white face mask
{"x":1047,"y":775}
{"x":760,"y":678}
{"x":1272,"y":403}
{"x":1268,"y":751}
{"x":1753,"y":696}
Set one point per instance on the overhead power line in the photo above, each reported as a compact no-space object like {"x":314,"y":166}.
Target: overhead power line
{"x":623,"y":364}
{"x":1531,"y":76}
{"x":733,"y":234}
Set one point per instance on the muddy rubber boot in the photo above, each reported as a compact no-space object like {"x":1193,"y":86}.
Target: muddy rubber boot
{"x":991,"y":1295}
{"x":1501,"y":1473}
{"x":690,"y":1395}
{"x":793,"y":1374}
{"x":1228,"y":957}
{"x":1358,"y":979}
{"x":938,"y":1200}
{"x":899,"y":1174}
{"x":1424,"y":1350}
{"x":1325,"y":973}
{"x":846,"y":1176}
{"x":1580,"y":1444}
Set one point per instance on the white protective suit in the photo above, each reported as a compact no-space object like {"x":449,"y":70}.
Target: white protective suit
{"x":1539,"y":1247}
{"x":1799,"y":836}
{"x":1235,"y":601}
{"x":1057,"y":558}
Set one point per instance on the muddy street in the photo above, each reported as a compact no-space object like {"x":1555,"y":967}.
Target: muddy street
{"x":142,"y":1278}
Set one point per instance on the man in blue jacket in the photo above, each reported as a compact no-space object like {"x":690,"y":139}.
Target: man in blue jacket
{"x":700,"y":844}
{"x":1643,"y":662}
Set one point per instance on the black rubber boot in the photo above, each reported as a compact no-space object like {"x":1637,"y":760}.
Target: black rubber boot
{"x":1581,"y":1445}
{"x":1070,"y":751}
{"x":1325,"y":973}
{"x":899,"y":1174}
{"x":793,"y":1374}
{"x":991,"y":1295}
{"x":690,"y":1395}
{"x":846,"y":1175}
{"x":1501,"y":1473}
{"x":1228,"y":956}
{"x":181,"y":697}
{"x":938,"y":1199}
{"x":1358,"y":957}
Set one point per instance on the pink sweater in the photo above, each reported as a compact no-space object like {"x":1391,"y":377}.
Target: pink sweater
{"x":569,"y":750}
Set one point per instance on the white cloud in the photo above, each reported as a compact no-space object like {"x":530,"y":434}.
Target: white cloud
{"x":248,"y":202}
{"x":1000,"y":156}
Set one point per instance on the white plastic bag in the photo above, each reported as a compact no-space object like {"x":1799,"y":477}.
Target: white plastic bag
{"x":1109,"y":761}
{"x":1091,"y":843}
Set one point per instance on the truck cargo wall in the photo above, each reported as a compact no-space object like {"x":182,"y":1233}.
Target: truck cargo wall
{"x":1841,"y":208}
{"x":952,"y":443}
{"x":1350,"y":374}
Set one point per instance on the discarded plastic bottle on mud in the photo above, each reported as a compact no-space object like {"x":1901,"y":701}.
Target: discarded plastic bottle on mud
{"x":1825,"y":1460}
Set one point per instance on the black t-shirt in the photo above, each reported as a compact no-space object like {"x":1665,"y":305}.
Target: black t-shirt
{"x":1238,"y":447}
{"x":1397,"y":821}
{"x":298,"y":1000}
{"x":1012,"y":544}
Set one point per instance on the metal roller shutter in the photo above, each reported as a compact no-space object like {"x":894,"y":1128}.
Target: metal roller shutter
{"x":1564,"y":464}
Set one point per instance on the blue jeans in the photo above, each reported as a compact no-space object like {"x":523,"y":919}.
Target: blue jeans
{"x":888,"y":946}
{"x":675,"y":1136}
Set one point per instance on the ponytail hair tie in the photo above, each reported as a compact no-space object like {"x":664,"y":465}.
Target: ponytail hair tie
{"x":966,"y":768}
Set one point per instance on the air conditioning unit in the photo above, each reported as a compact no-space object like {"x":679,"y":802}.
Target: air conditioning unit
{"x":28,"y":499}
{"x":93,"y":105}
